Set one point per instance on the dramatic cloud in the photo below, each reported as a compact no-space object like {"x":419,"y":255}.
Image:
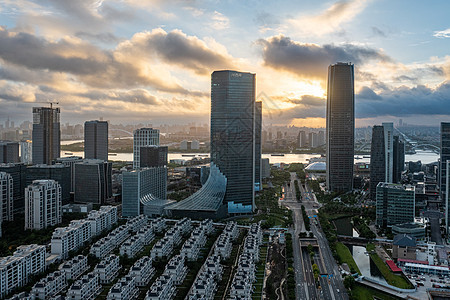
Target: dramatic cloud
{"x":442,"y":34}
{"x":311,"y":60}
{"x":330,"y":19}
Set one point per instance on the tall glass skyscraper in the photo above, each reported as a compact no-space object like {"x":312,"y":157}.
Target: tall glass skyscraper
{"x":381,"y":156}
{"x":46,"y":135}
{"x":258,"y":149}
{"x":340,"y":127}
{"x":96,"y":140}
{"x":233,"y":136}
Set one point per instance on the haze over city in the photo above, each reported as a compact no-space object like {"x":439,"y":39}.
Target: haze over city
{"x":132,"y":61}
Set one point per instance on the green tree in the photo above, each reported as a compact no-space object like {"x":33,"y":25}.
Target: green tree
{"x":349,"y":282}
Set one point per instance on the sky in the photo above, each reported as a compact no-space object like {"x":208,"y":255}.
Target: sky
{"x":150,"y":61}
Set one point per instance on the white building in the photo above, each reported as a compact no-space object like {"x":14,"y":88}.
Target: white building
{"x":119,"y":235}
{"x":223,"y":246}
{"x":136,"y":223}
{"x":162,"y":248}
{"x":124,"y":289}
{"x":15,"y":270}
{"x":72,"y":237}
{"x":103,"y":219}
{"x":43,"y":204}
{"x":102,"y":247}
{"x":132,"y":246}
{"x":26,"y":152}
{"x":107,"y":269}
{"x":49,"y":286}
{"x":177,"y":269}
{"x":86,"y":288}
{"x":158,"y":224}
{"x":142,"y":271}
{"x":204,"y":286}
{"x":162,"y":289}
{"x":143,"y":137}
{"x":146,"y":234}
{"x":232,"y":230}
{"x":74,"y":267}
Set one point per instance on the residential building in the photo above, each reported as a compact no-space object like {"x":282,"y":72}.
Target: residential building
{"x":340,"y":120}
{"x":162,"y":248}
{"x":404,"y":247}
{"x":96,"y":140}
{"x":75,"y":267}
{"x":301,"y":139}
{"x":124,"y":289}
{"x":395,"y":204}
{"x":321,"y":138}
{"x":177,"y":269}
{"x":6,"y":198}
{"x":70,"y":238}
{"x":93,"y":181}
{"x":9,"y":152}
{"x":46,"y":135}
{"x":86,"y":288}
{"x":102,"y":248}
{"x":142,"y":271}
{"x":143,"y":137}
{"x":132,"y":246}
{"x":313,"y":140}
{"x":43,"y":204}
{"x":107,"y":269}
{"x":26,"y":150}
{"x":49,"y":286}
{"x":190,"y":145}
{"x":102,"y":219}
{"x":57,"y":172}
{"x":162,"y":289}
{"x":16,"y":270}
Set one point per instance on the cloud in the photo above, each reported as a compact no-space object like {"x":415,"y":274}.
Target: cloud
{"x":378,"y":32}
{"x":105,"y":37}
{"x":442,"y":34}
{"x":307,"y":100}
{"x":133,"y":96}
{"x":329,"y":20}
{"x":219,"y":21}
{"x":311,"y":60}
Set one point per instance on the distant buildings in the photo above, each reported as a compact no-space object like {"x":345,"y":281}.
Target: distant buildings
{"x":26,"y":150}
{"x":43,"y":205}
{"x":301,"y":139}
{"x":340,"y":127}
{"x":17,"y":270}
{"x":9,"y":152}
{"x":445,"y":156}
{"x":399,"y":159}
{"x":46,"y":135}
{"x":96,"y":140}
{"x":93,"y":181}
{"x":190,"y":145}
{"x":143,"y":137}
{"x":395,"y":204}
{"x":313,"y":140}
{"x":265,"y":168}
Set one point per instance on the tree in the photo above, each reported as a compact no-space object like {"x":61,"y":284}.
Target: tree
{"x":349,"y":282}
{"x":316,"y":271}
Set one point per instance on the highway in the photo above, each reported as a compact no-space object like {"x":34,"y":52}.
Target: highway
{"x":309,"y":275}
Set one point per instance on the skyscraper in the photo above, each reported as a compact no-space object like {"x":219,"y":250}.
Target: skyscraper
{"x":58,"y":172}
{"x":301,"y":139}
{"x":96,"y":140}
{"x":6,"y":197}
{"x":445,"y":155}
{"x":153,"y":156}
{"x":399,"y":159}
{"x":9,"y":152}
{"x":93,"y":181}
{"x":258,"y":149}
{"x":233,"y":136}
{"x":395,"y":204}
{"x":143,"y":137}
{"x":18,"y":173}
{"x":340,"y":127}
{"x":381,"y":156}
{"x":46,"y":135}
{"x":43,"y":204}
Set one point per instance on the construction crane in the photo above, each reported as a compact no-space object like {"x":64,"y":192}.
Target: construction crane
{"x":51,"y":103}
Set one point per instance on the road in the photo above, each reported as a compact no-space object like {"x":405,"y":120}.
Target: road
{"x":291,"y":202}
{"x":309,"y":275}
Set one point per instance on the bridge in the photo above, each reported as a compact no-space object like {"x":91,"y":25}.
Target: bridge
{"x":434,"y":148}
{"x":121,"y":130}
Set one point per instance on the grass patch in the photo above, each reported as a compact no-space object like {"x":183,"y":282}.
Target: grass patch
{"x":395,"y":280}
{"x":346,"y":257}
{"x":362,"y":292}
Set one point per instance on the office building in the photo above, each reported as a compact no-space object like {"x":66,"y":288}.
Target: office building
{"x":96,"y":140}
{"x":301,"y":139}
{"x":18,"y":173}
{"x":321,"y":138}
{"x":93,"y":183}
{"x":9,"y":152}
{"x":46,"y":135}
{"x":57,"y":172}
{"x":70,"y":162}
{"x":18,"y":269}
{"x":313,"y":140}
{"x":232,"y":136}
{"x":43,"y":205}
{"x":143,"y":137}
{"x":381,"y":156}
{"x":143,"y":186}
{"x":258,"y":149}
{"x":26,"y":150}
{"x":340,"y":131}
{"x":153,"y":156}
{"x":6,"y":197}
{"x":265,"y":168}
{"x":399,"y":159}
{"x":395,"y":204}
{"x":445,"y":155}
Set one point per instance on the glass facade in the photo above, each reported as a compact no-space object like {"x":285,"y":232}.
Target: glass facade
{"x":232,"y":134}
{"x":340,"y":127}
{"x":46,"y":135}
{"x":143,"y":137}
{"x":96,"y":140}
{"x":395,"y":204}
{"x":258,"y":125}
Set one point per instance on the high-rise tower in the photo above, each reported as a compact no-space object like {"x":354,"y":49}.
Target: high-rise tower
{"x":258,"y":149}
{"x":96,"y":140}
{"x":381,"y":156}
{"x":233,"y":136}
{"x":340,"y":127}
{"x":143,"y":137}
{"x":46,"y":135}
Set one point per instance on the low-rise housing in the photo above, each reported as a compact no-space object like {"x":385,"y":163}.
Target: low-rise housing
{"x":102,"y":247}
{"x":146,"y":234}
{"x":136,"y":223}
{"x":119,"y":235}
{"x":159,"y":224}
{"x":73,"y":268}
{"x":162,"y":248}
{"x":86,"y":288}
{"x":102,"y":219}
{"x":49,"y":286}
{"x":132,"y":246}
{"x":107,"y":269}
{"x":70,"y":238}
{"x":177,"y":269}
{"x":142,"y":271}
{"x":162,"y":289}
{"x":124,"y":289}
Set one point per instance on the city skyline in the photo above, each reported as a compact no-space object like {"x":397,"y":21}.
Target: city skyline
{"x":159,"y":70}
